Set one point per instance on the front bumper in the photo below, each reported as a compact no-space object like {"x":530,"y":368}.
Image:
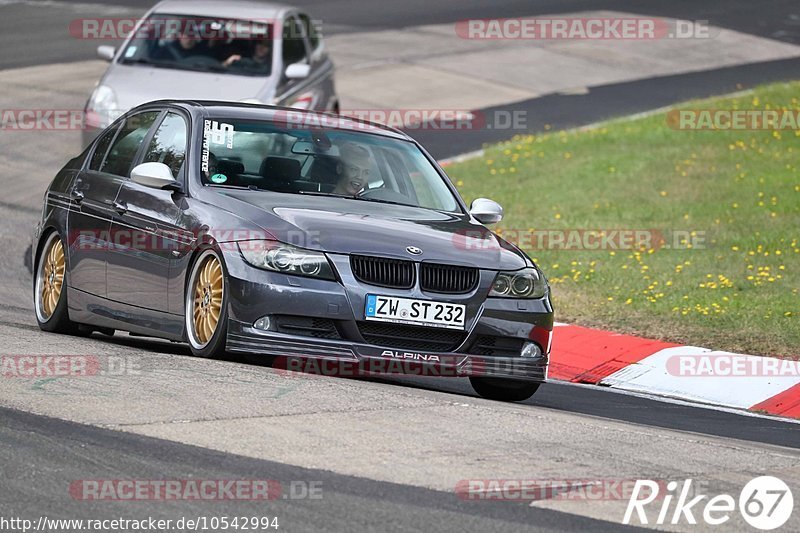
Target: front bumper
{"x":255,"y":293}
{"x":355,"y":360}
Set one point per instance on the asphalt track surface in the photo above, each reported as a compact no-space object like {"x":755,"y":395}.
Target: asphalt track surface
{"x":349,"y":503}
{"x":41,"y":454}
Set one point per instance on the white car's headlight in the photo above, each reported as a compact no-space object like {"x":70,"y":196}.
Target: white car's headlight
{"x":102,"y":108}
{"x":525,"y":283}
{"x":285,"y":258}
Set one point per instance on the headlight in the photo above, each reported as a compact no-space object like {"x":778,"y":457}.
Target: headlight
{"x":526,"y":283}
{"x":285,"y":258}
{"x":102,"y":110}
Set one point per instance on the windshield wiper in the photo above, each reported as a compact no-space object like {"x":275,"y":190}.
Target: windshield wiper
{"x":144,"y":61}
{"x":379,"y":201}
{"x":319,"y":193}
{"x":349,"y":197}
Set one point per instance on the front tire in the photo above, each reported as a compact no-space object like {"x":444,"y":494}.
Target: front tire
{"x":50,"y":288}
{"x":503,"y":390}
{"x":206,"y":306}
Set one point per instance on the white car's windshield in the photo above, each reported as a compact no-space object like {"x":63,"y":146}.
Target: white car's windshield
{"x":330,"y":162}
{"x":202,"y":43}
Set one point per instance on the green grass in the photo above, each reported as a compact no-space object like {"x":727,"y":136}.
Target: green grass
{"x":739,"y":190}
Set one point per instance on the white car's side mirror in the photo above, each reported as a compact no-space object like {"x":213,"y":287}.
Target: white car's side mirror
{"x":106,"y":52}
{"x":298,"y":71}
{"x":486,"y":211}
{"x":155,"y":176}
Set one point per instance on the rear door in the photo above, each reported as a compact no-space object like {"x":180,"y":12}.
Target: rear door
{"x":93,"y":194}
{"x":145,"y":220}
{"x":300,"y":93}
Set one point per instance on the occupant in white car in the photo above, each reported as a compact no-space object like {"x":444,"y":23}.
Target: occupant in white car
{"x":262,"y":56}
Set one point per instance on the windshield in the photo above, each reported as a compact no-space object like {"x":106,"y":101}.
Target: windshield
{"x":202,"y":44}
{"x":347,"y":164}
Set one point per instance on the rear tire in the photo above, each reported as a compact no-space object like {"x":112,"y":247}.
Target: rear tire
{"x":503,"y":390}
{"x":206,"y":305}
{"x":50,"y":288}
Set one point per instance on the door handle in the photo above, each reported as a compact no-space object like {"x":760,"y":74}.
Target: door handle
{"x":120,"y":207}
{"x":77,"y":196}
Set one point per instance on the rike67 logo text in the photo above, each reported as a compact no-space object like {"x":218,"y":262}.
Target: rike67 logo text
{"x":765,"y":503}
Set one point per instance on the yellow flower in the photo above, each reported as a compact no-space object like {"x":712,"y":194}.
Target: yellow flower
{"x":663,"y":193}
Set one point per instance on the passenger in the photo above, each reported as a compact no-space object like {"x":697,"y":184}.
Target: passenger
{"x":353,"y":169}
{"x":261,"y":58}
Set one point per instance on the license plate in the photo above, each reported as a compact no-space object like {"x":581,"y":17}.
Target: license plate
{"x":417,"y":312}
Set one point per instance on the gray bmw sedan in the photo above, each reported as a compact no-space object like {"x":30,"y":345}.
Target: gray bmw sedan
{"x":288,"y":233}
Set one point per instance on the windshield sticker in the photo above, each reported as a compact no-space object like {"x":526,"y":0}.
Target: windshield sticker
{"x":204,"y":156}
{"x":131,"y":51}
{"x":219,"y":178}
{"x":219,"y":133}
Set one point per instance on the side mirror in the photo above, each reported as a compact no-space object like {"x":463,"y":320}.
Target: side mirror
{"x":106,"y":52}
{"x":155,"y":176}
{"x":486,"y":211}
{"x":298,"y":71}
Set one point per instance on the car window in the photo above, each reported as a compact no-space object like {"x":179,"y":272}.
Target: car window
{"x":101,"y":148}
{"x":169,"y":143}
{"x":312,"y":32}
{"x":120,"y":156}
{"x":294,"y":159}
{"x":294,"y":47}
{"x":204,"y":44}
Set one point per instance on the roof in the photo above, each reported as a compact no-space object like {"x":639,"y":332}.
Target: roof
{"x":303,"y":118}
{"x":228,"y":9}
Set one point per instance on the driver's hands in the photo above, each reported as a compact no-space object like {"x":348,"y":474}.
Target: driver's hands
{"x":231,"y":60}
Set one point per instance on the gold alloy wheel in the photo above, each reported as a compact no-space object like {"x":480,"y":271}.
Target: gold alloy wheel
{"x":207,"y":305}
{"x":52,"y":278}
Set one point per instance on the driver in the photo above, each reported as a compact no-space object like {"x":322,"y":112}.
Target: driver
{"x":186,"y":45}
{"x":353,"y":169}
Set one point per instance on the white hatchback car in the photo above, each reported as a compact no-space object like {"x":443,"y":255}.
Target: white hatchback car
{"x":209,"y":50}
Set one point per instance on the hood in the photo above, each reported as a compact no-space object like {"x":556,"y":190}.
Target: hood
{"x":138,"y":84}
{"x":338,"y":225}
